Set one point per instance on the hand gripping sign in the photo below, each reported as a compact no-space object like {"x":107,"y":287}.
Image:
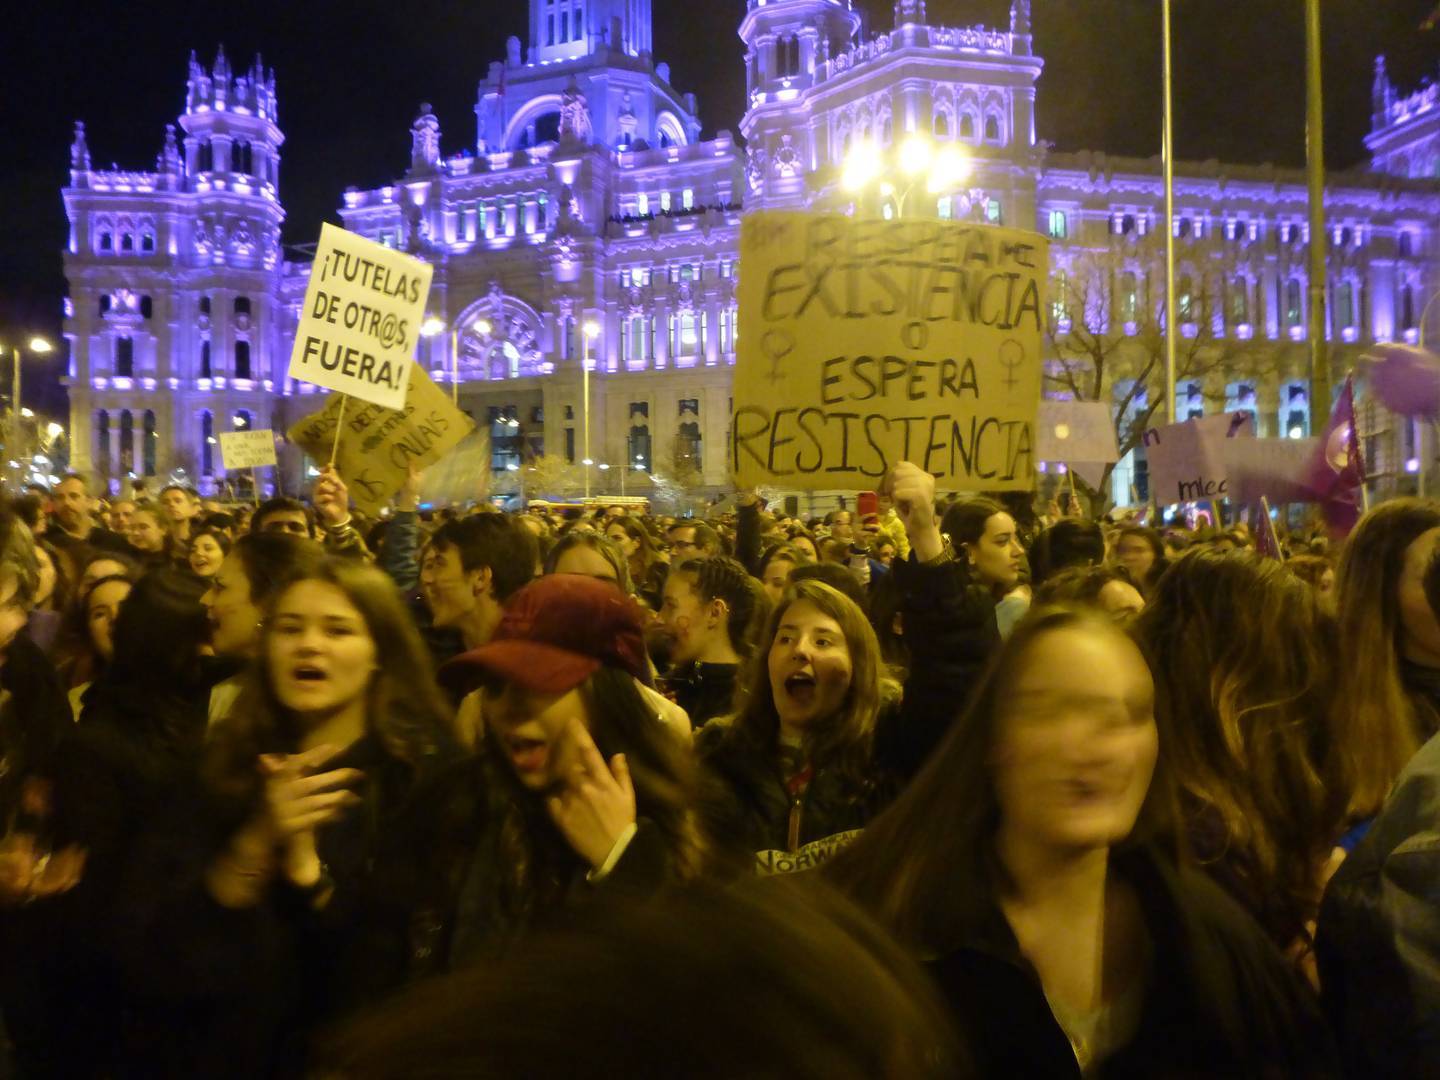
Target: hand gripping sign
{"x":363,"y":309}
{"x":868,"y":342}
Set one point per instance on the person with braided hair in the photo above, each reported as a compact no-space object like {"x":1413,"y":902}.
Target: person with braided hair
{"x":711,"y":611}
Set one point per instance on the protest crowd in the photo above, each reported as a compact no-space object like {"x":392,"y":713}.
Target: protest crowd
{"x":927,"y":786}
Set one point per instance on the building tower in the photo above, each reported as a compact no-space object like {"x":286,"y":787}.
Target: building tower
{"x":786,"y":43}
{"x":175,"y":316}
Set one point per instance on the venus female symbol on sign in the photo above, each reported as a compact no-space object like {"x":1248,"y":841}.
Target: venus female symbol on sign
{"x":776,"y":344}
{"x":1012,"y":356}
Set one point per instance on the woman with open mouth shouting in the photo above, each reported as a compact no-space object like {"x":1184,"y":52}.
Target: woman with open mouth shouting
{"x":299,"y":907}
{"x":579,"y":786}
{"x":824,"y":737}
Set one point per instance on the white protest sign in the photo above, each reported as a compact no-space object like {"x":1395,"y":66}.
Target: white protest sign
{"x":361,"y":320}
{"x":1186,"y":463}
{"x":247,"y":449}
{"x":1279,"y":469}
{"x":1075,"y":431}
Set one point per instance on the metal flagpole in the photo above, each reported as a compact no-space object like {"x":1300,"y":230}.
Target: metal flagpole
{"x":1315,"y":163}
{"x":1171,"y":327}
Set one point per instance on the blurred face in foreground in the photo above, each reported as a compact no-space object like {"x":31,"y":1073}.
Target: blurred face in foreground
{"x":1076,"y":742}
{"x":320,"y":650}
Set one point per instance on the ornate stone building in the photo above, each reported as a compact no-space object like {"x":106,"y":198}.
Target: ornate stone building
{"x":588,"y":197}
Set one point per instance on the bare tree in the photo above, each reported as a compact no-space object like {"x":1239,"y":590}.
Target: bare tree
{"x":1106,"y":336}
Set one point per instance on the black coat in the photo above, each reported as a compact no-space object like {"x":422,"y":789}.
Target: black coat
{"x":1220,"y":1000}
{"x":704,"y":691}
{"x":1378,"y":941}
{"x":745,"y":804}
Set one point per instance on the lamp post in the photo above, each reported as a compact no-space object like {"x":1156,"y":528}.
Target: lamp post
{"x":918,"y":159}
{"x":434,"y":326}
{"x":36,"y":345}
{"x":589,"y":332}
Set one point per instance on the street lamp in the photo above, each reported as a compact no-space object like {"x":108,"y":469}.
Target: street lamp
{"x":589,"y":332}
{"x":917,"y":160}
{"x":36,"y":345}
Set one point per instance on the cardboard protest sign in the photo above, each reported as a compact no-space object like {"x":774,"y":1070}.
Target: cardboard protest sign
{"x":361,"y":320}
{"x":247,"y":449}
{"x":377,"y":446}
{"x":868,"y":342}
{"x":1186,"y":460}
{"x":1075,"y":431}
{"x":1278,"y":469}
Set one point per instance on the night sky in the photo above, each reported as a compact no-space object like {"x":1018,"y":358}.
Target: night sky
{"x":350,"y":76}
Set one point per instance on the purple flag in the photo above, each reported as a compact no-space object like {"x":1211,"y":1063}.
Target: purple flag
{"x":1337,"y":471}
{"x":1267,"y":542}
{"x":1406,"y":379}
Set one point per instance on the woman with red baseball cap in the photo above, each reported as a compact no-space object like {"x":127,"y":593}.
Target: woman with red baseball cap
{"x":580,"y":781}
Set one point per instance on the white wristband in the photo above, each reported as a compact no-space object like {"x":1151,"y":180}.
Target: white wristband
{"x":621,"y":843}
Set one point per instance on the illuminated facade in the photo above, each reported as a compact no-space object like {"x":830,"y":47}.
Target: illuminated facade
{"x":588,"y":196}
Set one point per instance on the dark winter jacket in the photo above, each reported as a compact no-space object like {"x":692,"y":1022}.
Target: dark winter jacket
{"x":704,"y":691}
{"x":1378,"y":941}
{"x":746,"y":806}
{"x":1219,"y":1000}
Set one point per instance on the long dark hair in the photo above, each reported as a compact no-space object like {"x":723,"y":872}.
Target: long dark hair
{"x":272,"y":560}
{"x":155,"y":684}
{"x":405,"y":711}
{"x":1390,"y":723}
{"x":538,"y":861}
{"x":928,"y":866}
{"x":1244,"y":663}
{"x":844,"y":740}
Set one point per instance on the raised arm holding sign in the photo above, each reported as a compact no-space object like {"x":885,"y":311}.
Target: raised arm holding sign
{"x":864,"y":343}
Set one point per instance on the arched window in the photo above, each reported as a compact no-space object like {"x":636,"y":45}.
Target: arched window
{"x":127,"y":443}
{"x":147,"y":242}
{"x":107,"y":241}
{"x":992,"y":128}
{"x":151,"y":445}
{"x":887,"y":131}
{"x":207,"y":444}
{"x":967,"y":126}
{"x":205,"y":359}
{"x":242,"y":305}
{"x":124,"y":357}
{"x":127,"y":242}
{"x":1184,"y":300}
{"x":942,"y":125}
{"x":102,"y":442}
{"x":242,"y":359}
{"x":1129,"y":297}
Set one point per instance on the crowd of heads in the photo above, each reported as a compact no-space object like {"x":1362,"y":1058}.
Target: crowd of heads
{"x":946,"y":704}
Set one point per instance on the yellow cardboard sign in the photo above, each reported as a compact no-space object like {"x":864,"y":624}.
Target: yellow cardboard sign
{"x":868,"y":342}
{"x":378,"y":446}
{"x":363,"y":308}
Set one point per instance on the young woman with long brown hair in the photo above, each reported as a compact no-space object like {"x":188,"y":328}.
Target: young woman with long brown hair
{"x":1031,"y":864}
{"x":1389,"y":693}
{"x":823,"y":740}
{"x":1245,"y":664}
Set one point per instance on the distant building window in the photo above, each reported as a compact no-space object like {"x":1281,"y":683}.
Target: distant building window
{"x":204,"y":305}
{"x":1292,"y":303}
{"x":1240,"y":302}
{"x":993,"y":213}
{"x":242,"y":305}
{"x":105,"y":302}
{"x":665,"y":202}
{"x":124,"y":357}
{"x":205,"y":359}
{"x":242,"y":359}
{"x":967,"y":126}
{"x":147,"y":307}
{"x":944,"y":208}
{"x":1129,"y":297}
{"x":1185,"y":301}
{"x":550,"y":30}
{"x":1059,"y":225}
{"x":147,"y":242}
{"x":150,"y":445}
{"x":107,"y":242}
{"x":1183,"y":228}
{"x":992,"y":129}
{"x":1407,"y":308}
{"x":1404,"y":244}
{"x":207,"y":444}
{"x":687,"y":199}
{"x":942,"y":125}
{"x":642,"y":204}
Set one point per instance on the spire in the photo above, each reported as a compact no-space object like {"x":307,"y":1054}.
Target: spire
{"x":425,"y":141}
{"x":1382,"y":95}
{"x":1020,"y":17}
{"x":169,"y":162}
{"x":222,"y":66}
{"x":79,"y":152}
{"x":909,"y":11}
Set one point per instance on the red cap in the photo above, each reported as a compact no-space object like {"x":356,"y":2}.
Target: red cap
{"x":557,"y":632}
